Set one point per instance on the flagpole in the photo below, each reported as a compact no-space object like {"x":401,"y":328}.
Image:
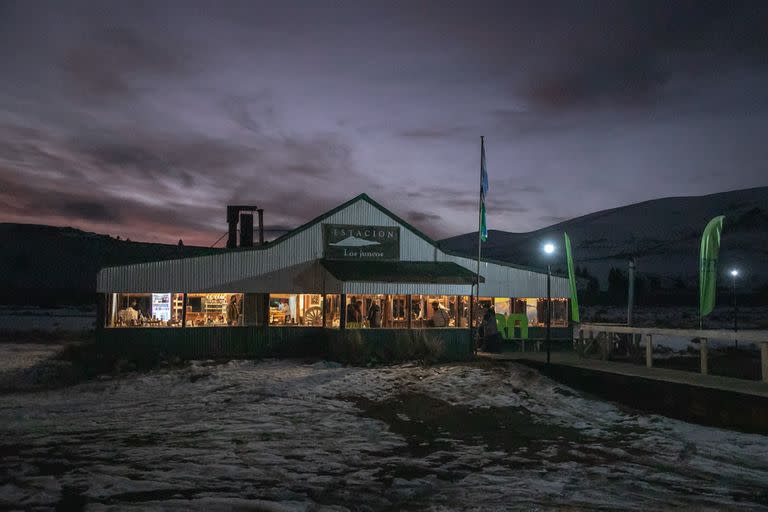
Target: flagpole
{"x":479,"y":224}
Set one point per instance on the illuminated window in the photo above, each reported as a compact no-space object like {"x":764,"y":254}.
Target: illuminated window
{"x":433,"y":311}
{"x":536,"y":311}
{"x":296,"y":309}
{"x":462,"y":311}
{"x":502,"y":306}
{"x":214,"y":309}
{"x":144,"y":309}
{"x":333,"y":311}
{"x":376,"y":311}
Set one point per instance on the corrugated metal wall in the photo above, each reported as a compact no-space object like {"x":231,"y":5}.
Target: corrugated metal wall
{"x":291,"y":266}
{"x":406,"y":288}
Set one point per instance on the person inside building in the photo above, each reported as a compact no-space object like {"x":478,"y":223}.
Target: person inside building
{"x":374,"y":315}
{"x":233,"y":311}
{"x":353,"y":314}
{"x":440,"y":316}
{"x":489,"y":333}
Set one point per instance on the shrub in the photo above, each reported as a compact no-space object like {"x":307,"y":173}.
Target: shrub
{"x":348,"y":347}
{"x":427,"y":346}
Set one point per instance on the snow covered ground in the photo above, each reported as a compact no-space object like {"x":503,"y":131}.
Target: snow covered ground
{"x":25,"y":318}
{"x":281,"y":435}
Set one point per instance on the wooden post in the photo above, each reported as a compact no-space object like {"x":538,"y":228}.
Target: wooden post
{"x":649,"y":350}
{"x":184,"y":303}
{"x":603,"y":346}
{"x":764,"y":360}
{"x":704,"y":354}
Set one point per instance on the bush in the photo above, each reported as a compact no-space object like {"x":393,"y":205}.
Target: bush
{"x":427,"y":346}
{"x":350,"y":347}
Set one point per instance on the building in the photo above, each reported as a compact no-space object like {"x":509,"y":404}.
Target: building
{"x":311,"y":285}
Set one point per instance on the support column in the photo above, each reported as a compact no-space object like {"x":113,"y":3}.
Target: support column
{"x":764,"y":360}
{"x":649,"y":350}
{"x":409,"y":309}
{"x":704,"y":356}
{"x":603,"y":346}
{"x":581,"y":343}
{"x":325,"y":307}
{"x":343,"y":312}
{"x":184,"y":309}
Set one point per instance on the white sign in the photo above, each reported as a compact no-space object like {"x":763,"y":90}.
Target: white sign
{"x":161,"y":306}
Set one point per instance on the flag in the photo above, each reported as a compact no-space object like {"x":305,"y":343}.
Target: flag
{"x":710,"y":250}
{"x":483,"y":192}
{"x":572,"y":280}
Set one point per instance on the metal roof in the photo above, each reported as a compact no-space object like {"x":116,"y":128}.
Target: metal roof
{"x":291,"y":264}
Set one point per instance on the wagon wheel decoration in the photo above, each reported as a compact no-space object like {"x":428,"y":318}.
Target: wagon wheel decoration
{"x":313,"y":316}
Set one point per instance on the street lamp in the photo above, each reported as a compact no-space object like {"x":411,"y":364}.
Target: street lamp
{"x":734,"y":275}
{"x":549,"y":249}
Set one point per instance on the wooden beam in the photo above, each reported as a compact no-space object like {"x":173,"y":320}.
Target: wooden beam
{"x":756,"y":336}
{"x":649,"y":350}
{"x":764,"y":360}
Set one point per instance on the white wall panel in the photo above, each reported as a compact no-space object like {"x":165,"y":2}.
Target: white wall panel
{"x":239,"y":270}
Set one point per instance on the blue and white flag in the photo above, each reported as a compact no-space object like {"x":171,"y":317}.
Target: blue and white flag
{"x":483,"y":192}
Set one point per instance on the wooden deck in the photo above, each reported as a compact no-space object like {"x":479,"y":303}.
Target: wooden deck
{"x":742,"y":386}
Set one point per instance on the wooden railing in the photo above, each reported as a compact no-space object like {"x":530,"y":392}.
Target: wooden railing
{"x":591,"y":333}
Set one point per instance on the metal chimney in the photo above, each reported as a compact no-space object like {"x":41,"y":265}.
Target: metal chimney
{"x":246,"y":230}
{"x":234,"y":216}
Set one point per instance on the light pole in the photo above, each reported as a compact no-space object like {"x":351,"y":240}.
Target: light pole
{"x":549,"y":248}
{"x":734,"y":275}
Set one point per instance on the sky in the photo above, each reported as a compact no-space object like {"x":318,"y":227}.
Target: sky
{"x":145,"y":119}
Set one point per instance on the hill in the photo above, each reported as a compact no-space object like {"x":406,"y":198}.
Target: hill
{"x":663,"y":235}
{"x":47,"y":265}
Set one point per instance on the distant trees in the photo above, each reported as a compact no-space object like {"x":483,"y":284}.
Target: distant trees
{"x":593,"y":285}
{"x":618,"y":284}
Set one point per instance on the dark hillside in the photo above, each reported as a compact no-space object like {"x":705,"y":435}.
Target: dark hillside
{"x":47,"y":265}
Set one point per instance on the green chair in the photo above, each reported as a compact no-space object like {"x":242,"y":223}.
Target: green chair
{"x":514,"y":320}
{"x":501,"y":325}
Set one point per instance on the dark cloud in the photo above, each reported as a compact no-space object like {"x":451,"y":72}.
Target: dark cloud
{"x":146,"y":120}
{"x":422,"y":217}
{"x":635,"y":50}
{"x":90,"y":210}
{"x":107,"y":62}
{"x":436,"y":133}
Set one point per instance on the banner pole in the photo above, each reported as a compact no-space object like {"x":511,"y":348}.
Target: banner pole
{"x":479,"y":225}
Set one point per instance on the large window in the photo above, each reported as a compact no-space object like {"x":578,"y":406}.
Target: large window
{"x":214,"y":309}
{"x":292,"y":309}
{"x":332,"y":311}
{"x":377,"y":311}
{"x":502,"y":306}
{"x":144,"y":309}
{"x":433,"y":311}
{"x":536,"y":311}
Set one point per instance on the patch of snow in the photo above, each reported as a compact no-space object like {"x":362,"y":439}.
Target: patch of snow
{"x":285,"y":436}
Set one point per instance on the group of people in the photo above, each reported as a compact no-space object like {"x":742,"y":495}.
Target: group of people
{"x":355,"y":314}
{"x":373,"y":317}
